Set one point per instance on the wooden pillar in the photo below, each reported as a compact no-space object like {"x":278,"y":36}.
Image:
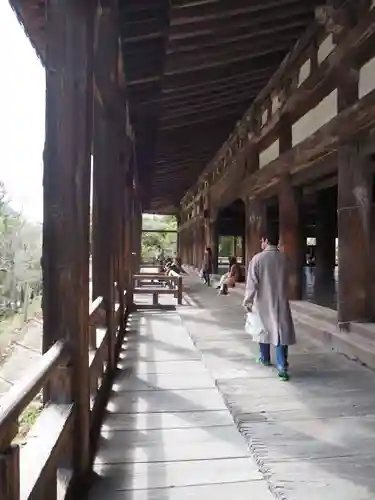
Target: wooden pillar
{"x":137,"y":247}
{"x":290,"y":234}
{"x":66,"y":182}
{"x":103,"y":229}
{"x":129,"y":230}
{"x":190,"y":246}
{"x":326,"y":231}
{"x":120,"y":214}
{"x":353,"y":215}
{"x":256,"y":222}
{"x":194,"y":246}
{"x":354,"y":208}
{"x":214,"y":242}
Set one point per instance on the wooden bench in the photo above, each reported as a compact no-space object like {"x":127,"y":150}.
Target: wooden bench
{"x":174,"y":282}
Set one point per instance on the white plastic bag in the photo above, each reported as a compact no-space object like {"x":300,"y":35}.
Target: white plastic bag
{"x":254,"y":325}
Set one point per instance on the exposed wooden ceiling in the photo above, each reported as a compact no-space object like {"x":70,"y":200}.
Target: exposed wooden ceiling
{"x":192,"y":67}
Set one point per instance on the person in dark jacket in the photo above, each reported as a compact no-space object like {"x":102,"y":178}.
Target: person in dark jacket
{"x":207,"y":266}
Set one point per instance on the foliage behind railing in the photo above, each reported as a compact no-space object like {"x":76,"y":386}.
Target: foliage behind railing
{"x":33,"y":471}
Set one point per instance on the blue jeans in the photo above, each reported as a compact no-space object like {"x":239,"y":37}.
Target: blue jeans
{"x":206,"y":277}
{"x":281,"y":356}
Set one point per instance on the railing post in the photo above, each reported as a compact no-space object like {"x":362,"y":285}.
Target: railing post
{"x":10,"y":473}
{"x":179,"y":284}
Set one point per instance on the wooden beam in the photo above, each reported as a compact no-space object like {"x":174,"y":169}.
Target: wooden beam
{"x":218,"y":71}
{"x":236,"y":8}
{"x":213,"y":55}
{"x":357,"y":117}
{"x":178,"y":123}
{"x":200,"y":110}
{"x":144,"y":29}
{"x":207,"y":93}
{"x":206,"y":105}
{"x":227,"y":79}
{"x":181,"y":66}
{"x":240,"y":31}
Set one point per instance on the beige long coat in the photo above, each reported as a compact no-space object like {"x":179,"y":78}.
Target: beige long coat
{"x":267,"y":288}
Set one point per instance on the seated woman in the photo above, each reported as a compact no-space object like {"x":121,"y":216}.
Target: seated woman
{"x":230,"y":278}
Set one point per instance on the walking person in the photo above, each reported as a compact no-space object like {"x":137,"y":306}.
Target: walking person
{"x":207,"y":266}
{"x":267,"y":295}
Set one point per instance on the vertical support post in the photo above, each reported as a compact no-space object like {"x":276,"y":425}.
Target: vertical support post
{"x":137,"y":234}
{"x":66,"y":182}
{"x":178,"y":240}
{"x":179,"y":287}
{"x":256,"y":220}
{"x":106,"y":159}
{"x":290,"y":234}
{"x":325,"y":251}
{"x":102,"y":230}
{"x":129,"y":237}
{"x":353,"y":215}
{"x":354,"y":208}
{"x":214,"y":242}
{"x":10,"y":473}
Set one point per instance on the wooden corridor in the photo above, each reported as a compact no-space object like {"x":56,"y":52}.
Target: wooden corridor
{"x":192,"y":415}
{"x":167,"y":433}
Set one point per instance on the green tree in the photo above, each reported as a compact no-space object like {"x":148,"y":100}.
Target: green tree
{"x":20,"y":253}
{"x":156,"y":243}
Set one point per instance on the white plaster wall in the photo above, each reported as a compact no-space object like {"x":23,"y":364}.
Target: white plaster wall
{"x":269,"y":154}
{"x":276,"y":103}
{"x":304,"y":72}
{"x":264,"y":117}
{"x":314,"y":119}
{"x":366,"y":78}
{"x":325,"y":48}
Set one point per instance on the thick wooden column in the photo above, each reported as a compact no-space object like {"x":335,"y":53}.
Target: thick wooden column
{"x":137,"y":232}
{"x":103,"y":230}
{"x":121,"y":223}
{"x":190,"y":246}
{"x":290,"y":234}
{"x":326,"y":231}
{"x":108,"y":116}
{"x":214,"y":243}
{"x":354,"y":208}
{"x":353,"y":215}
{"x":129,"y":230}
{"x":194,"y":246}
{"x":66,"y":182}
{"x":256,"y":224}
{"x":178,"y":241}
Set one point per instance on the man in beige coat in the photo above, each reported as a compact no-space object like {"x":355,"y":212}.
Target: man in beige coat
{"x":267,"y":294}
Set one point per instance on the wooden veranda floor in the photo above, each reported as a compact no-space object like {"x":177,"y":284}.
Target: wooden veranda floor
{"x":193,"y":416}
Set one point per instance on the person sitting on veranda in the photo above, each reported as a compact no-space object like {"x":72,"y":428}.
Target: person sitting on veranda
{"x":233,"y":276}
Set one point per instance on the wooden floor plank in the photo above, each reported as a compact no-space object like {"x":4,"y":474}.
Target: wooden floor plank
{"x":254,"y":490}
{"x":168,"y":433}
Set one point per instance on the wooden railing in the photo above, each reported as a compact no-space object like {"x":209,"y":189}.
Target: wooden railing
{"x":42,"y":468}
{"x":173,"y":281}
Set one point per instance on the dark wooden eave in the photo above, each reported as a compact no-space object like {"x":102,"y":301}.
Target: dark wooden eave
{"x":192,"y":68}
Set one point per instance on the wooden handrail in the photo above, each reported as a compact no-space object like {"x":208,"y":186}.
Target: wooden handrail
{"x":155,"y":276}
{"x":44,"y":371}
{"x":21,"y":395}
{"x":173,"y":277}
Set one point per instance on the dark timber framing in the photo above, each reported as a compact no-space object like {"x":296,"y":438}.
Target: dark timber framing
{"x":262,"y":110}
